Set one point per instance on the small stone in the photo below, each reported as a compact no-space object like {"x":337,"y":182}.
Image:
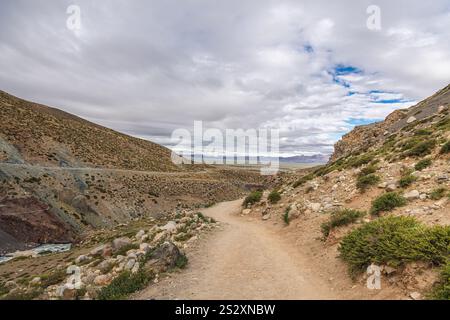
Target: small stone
{"x":246,"y":211}
{"x":81,"y":259}
{"x":415,"y":295}
{"x":411,"y":195}
{"x":266,"y":216}
{"x":35,"y":281}
{"x":411,"y":119}
{"x":145,"y":247}
{"x":130,"y":264}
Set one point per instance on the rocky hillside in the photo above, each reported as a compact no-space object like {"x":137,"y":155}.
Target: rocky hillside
{"x":384,"y":200}
{"x":62,"y":176}
{"x":37,"y":134}
{"x":363,"y":137}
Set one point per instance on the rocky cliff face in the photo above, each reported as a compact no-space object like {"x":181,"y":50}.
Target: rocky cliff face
{"x":362,"y":138}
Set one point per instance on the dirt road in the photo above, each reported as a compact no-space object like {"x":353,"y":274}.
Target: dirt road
{"x":244,"y":260}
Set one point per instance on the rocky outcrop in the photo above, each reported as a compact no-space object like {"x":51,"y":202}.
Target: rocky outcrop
{"x":363,"y":137}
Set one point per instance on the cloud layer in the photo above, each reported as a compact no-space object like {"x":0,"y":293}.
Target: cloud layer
{"x":312,"y":68}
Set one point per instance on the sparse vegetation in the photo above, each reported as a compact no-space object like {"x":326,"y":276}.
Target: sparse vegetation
{"x":387,"y":202}
{"x":252,"y":198}
{"x":442,"y":289}
{"x":422,"y":164}
{"x":3,"y":289}
{"x":125,"y":284}
{"x":407,"y":180}
{"x":53,"y":278}
{"x":341,"y":218}
{"x":182,"y":261}
{"x":286,"y":217}
{"x":438,"y":193}
{"x":303,"y":180}
{"x":365,"y":182}
{"x":394,"y":241}
{"x":274,"y":196}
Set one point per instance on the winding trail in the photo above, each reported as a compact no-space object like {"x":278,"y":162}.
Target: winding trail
{"x":242,"y":260}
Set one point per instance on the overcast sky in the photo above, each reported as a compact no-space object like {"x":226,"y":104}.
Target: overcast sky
{"x":310,"y":68}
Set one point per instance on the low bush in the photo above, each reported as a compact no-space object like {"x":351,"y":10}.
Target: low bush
{"x":365,"y":182}
{"x":422,"y":164}
{"x":421,"y":149}
{"x":367,"y":170}
{"x":125,"y":284}
{"x":303,"y":180}
{"x":274,"y":196}
{"x":442,"y":289}
{"x":182,"y":261}
{"x":438,"y":193}
{"x":387,"y":202}
{"x":341,"y":218}
{"x":252,"y":198}
{"x":395,"y":240}
{"x":286,"y":217}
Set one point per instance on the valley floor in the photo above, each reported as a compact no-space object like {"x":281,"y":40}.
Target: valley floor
{"x":252,"y":259}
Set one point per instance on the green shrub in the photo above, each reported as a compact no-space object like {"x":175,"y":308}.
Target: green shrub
{"x":438,"y":193}
{"x":394,"y":241}
{"x":422,"y":149}
{"x":340,"y":218}
{"x":125,"y":284}
{"x":387,"y":202}
{"x":445,"y":148}
{"x":252,"y":198}
{"x":303,"y":180}
{"x":360,"y":160}
{"x":364,"y":182}
{"x":286,"y":217}
{"x":30,"y":294}
{"x":442,"y":290}
{"x":274,"y":197}
{"x":53,"y":278}
{"x":367,"y":170}
{"x":3,"y":289}
{"x":407,"y":180}
{"x":422,"y":164}
{"x":182,"y":261}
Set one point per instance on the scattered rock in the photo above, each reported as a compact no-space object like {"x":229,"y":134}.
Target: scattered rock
{"x":170,"y":226}
{"x":266,"y":216}
{"x":411,"y":195}
{"x":102,"y":280}
{"x":81,"y":259}
{"x":164,"y":257}
{"x":411,"y":119}
{"x":415,"y":295}
{"x":119,"y":243}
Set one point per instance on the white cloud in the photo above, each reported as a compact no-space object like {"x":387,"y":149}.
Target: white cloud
{"x":146,"y":68}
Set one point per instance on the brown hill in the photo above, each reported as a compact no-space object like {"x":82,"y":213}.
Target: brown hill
{"x":37,"y":134}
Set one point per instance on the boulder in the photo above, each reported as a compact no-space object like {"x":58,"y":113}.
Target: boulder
{"x":102,"y":280}
{"x":411,"y":195}
{"x":411,"y":119}
{"x":164,"y":257}
{"x":119,"y":243}
{"x":170,"y":226}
